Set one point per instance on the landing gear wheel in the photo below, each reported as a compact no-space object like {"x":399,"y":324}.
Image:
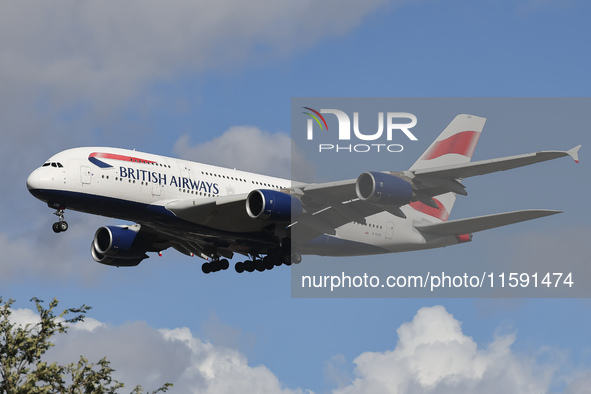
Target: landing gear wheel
{"x":268,"y":262}
{"x":61,"y":225}
{"x":259,"y":265}
{"x":206,"y":268}
{"x":249,"y":266}
{"x":287,"y":259}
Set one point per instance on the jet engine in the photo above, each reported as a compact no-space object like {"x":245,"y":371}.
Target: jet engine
{"x":383,"y":189}
{"x":273,"y":205}
{"x":121,"y":246}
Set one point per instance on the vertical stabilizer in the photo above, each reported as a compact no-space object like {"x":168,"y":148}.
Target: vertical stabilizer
{"x":455,"y":145}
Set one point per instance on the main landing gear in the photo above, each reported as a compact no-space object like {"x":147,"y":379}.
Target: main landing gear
{"x":215,"y":266}
{"x":61,"y":225}
{"x":266,"y":263}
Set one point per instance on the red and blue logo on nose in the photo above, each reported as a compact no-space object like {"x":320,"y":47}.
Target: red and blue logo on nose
{"x":94,"y":159}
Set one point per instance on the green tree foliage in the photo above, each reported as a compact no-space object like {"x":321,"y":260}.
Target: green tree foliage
{"x":23,"y":372}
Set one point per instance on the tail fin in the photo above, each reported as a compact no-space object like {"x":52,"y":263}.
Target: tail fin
{"x":455,"y":145}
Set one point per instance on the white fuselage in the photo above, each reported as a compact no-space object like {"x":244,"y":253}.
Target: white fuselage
{"x":124,"y":184}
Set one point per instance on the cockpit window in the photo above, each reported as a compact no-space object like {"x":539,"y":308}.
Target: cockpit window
{"x":53,"y":164}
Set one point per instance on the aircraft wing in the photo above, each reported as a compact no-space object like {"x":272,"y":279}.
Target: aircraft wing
{"x":480,"y":223}
{"x":431,"y":181}
{"x":501,"y":164}
{"x":327,"y":218}
{"x":328,"y":192}
{"x":227,"y":213}
{"x":214,"y":226}
{"x":330,"y":205}
{"x":333,"y":204}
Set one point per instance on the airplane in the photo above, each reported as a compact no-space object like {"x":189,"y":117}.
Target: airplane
{"x":216,"y":213}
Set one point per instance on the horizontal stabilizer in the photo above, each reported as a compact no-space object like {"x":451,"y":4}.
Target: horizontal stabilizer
{"x":479,"y":223}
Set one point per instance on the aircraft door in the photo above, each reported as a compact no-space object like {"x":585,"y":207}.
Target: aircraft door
{"x":156,"y":189}
{"x":185,"y":170}
{"x":85,"y":175}
{"x":389,"y":230}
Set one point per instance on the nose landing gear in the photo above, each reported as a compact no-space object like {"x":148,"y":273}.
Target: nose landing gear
{"x":61,"y":225}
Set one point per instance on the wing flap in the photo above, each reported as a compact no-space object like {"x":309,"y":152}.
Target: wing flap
{"x":480,"y":223}
{"x":329,"y":218}
{"x":331,"y":191}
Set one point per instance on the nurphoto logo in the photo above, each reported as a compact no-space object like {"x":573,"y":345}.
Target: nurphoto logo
{"x":394,"y":128}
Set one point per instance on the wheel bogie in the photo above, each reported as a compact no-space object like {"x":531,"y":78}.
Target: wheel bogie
{"x":59,"y":227}
{"x":268,"y":262}
{"x":249,"y":266}
{"x":215,"y":266}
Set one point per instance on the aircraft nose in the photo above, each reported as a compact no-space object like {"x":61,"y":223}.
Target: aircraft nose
{"x":34,"y":181}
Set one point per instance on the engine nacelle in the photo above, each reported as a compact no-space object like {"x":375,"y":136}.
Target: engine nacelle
{"x":383,"y":189}
{"x":118,"y":246}
{"x":118,"y":262}
{"x":273,"y":205}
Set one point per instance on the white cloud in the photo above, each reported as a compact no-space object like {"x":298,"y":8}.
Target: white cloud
{"x":24,"y":316}
{"x":68,"y":67}
{"x":88,"y":324}
{"x":143,"y":355}
{"x":221,"y":334}
{"x":247,"y":148}
{"x":335,"y":371}
{"x":580,"y":385}
{"x":104,"y":53}
{"x":223,"y":370}
{"x":433,"y":355}
{"x":41,"y":254}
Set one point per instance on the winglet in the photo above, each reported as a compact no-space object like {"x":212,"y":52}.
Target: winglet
{"x":574,"y":153}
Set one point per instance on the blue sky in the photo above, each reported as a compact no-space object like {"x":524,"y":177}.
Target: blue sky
{"x":149,"y":77}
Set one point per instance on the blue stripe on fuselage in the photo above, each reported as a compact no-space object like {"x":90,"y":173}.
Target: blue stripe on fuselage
{"x":99,"y":163}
